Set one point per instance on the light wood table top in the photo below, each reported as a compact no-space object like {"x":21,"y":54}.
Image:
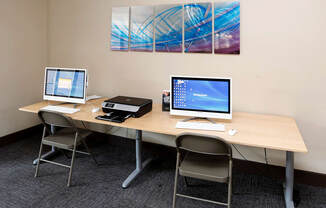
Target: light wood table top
{"x":256,"y":130}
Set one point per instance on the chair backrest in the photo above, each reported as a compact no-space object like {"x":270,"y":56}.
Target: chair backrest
{"x":203,"y":144}
{"x":50,"y":118}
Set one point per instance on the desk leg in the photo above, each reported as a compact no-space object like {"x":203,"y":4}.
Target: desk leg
{"x":139,"y":164}
{"x":49,"y":154}
{"x":289,"y":175}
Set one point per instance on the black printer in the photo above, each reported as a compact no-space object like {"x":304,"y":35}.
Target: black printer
{"x":120,"y":108}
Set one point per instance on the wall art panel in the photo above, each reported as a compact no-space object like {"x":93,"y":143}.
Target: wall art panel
{"x":227,"y":27}
{"x":198,"y":28}
{"x":120,"y":29}
{"x":168,"y":28}
{"x":141,"y":28}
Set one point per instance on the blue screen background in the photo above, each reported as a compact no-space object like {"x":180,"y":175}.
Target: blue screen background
{"x":201,"y":95}
{"x":77,"y":77}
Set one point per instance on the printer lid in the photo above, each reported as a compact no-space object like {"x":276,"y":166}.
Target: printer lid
{"x":129,"y":100}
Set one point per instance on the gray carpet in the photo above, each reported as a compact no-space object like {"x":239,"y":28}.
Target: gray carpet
{"x":94,"y":186}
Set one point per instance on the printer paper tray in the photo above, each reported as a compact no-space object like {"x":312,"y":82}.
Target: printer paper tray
{"x":115,"y":117}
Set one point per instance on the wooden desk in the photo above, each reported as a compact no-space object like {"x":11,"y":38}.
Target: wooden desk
{"x":256,"y":130}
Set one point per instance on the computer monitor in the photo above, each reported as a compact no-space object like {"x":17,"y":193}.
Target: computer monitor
{"x":65,"y":84}
{"x":203,"y":97}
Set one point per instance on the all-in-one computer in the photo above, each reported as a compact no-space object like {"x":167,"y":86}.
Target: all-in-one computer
{"x":201,"y":97}
{"x":66,"y":85}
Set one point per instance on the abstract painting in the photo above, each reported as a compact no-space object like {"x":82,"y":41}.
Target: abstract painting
{"x":141,"y":28}
{"x":198,"y":28}
{"x":168,"y":28}
{"x":227,"y":27}
{"x":120,"y":29}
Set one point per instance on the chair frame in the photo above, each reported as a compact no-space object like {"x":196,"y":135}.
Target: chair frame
{"x":179,"y":160}
{"x":48,"y":128}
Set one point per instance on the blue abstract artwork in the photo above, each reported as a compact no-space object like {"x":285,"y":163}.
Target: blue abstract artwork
{"x":120,"y":29}
{"x":168,"y":28}
{"x":141,"y":28}
{"x":227,"y":27}
{"x":198,"y":28}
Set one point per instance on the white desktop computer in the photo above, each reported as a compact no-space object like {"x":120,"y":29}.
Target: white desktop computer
{"x":65,"y":84}
{"x":201,"y":97}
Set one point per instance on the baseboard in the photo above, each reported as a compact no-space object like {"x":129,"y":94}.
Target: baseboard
{"x":278,"y":172}
{"x":16,"y":136}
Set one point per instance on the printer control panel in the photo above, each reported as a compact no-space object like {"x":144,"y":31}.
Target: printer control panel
{"x":109,"y":105}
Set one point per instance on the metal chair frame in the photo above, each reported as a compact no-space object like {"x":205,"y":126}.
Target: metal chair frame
{"x":181,"y":149}
{"x":65,"y":122}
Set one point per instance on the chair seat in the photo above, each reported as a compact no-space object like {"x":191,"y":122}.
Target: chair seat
{"x":65,"y":138}
{"x":205,"y":167}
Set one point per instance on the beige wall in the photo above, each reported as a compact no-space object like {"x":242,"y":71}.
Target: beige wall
{"x":23,"y":40}
{"x":281,"y":69}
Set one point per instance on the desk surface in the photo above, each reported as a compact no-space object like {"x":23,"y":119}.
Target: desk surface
{"x":257,"y":130}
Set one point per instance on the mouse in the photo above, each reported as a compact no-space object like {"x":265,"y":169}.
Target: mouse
{"x":94,"y":110}
{"x":232,"y":132}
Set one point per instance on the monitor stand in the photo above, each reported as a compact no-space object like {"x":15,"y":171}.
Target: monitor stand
{"x":64,"y":103}
{"x":195,"y":118}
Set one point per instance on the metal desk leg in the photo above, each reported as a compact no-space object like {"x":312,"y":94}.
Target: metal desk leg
{"x":49,"y":154}
{"x":139,"y":164}
{"x":288,"y":186}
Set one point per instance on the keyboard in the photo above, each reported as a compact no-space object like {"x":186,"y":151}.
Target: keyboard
{"x":200,"y":126}
{"x":60,"y":109}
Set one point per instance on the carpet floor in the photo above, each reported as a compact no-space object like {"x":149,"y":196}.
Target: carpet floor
{"x":100,"y":186}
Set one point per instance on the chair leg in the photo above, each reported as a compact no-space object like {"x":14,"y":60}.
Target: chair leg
{"x":89,"y":151}
{"x":175,"y":188}
{"x":38,"y":161}
{"x":71,"y":166}
{"x":72,"y":160}
{"x":229,"y":193}
{"x":40,"y":153}
{"x":176,"y":180}
{"x":230,"y":185}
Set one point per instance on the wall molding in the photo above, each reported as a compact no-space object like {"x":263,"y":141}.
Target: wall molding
{"x":16,"y":136}
{"x":278,"y":172}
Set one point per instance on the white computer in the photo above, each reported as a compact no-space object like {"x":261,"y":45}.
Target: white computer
{"x":66,"y":85}
{"x":201,"y":97}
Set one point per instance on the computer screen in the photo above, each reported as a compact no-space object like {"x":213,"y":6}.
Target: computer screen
{"x":65,"y":83}
{"x":212,"y":95}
